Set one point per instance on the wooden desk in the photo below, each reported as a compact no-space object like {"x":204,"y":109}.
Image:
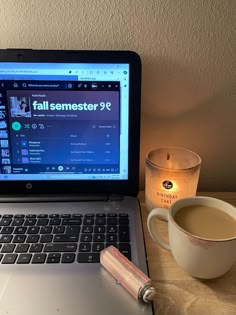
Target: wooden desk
{"x":177,"y":292}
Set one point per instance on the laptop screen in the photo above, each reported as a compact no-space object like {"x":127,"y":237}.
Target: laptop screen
{"x":67,"y":120}
{"x":64,"y":121}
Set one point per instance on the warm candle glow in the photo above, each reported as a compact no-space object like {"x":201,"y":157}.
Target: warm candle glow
{"x":171,"y":174}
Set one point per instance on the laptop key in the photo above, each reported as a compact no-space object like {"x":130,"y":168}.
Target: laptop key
{"x":30,"y":216}
{"x":124,"y":233}
{"x":42,"y":222}
{"x":88,"y":258}
{"x":19,"y":238}
{"x":58,"y":229}
{"x":42,"y":216}
{"x":86,"y":238}
{"x":36,"y":248}
{"x":111,"y":244}
{"x":84,"y":247}
{"x":8,"y":216}
{"x":5,"y":222}
{"x":111,"y":229}
{"x":9,"y":259}
{"x":112,"y":221}
{"x":97,"y":247}
{"x":46,"y":230}
{"x":68,"y":258}
{"x":100,"y":221}
{"x":74,"y":229}
{"x":123,"y":221}
{"x":87,"y":229}
{"x":53,"y":258}
{"x":125,"y":249}
{"x":55,"y":221}
{"x":19,"y":216}
{"x":66,"y":238}
{"x":24,"y":259}
{"x":66,"y":216}
{"x":89,"y":215}
{"x":7,"y":230}
{"x":54,"y":215}
{"x":39,"y":258}
{"x":71,"y":221}
{"x":1,"y":255}
{"x":112,"y":215}
{"x":17,"y":222}
{"x":98,"y":237}
{"x":46,"y":238}
{"x":88,"y":221}
{"x":33,"y":230}
{"x":60,"y":247}
{"x":99,"y":229}
{"x":32,"y":238}
{"x":110,"y":238}
{"x":30,"y":221}
{"x":22,"y":248}
{"x":76,"y":215}
{"x":5,"y":238}
{"x":8,"y":248}
{"x":20,"y":230}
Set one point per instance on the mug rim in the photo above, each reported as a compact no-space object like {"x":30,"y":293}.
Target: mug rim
{"x":172,"y":208}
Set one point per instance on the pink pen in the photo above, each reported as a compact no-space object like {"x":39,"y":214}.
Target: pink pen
{"x":127,"y":274}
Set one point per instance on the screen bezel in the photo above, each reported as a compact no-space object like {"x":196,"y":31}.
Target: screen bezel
{"x":127,"y":187}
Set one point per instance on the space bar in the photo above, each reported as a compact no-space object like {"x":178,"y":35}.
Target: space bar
{"x":66,"y":247}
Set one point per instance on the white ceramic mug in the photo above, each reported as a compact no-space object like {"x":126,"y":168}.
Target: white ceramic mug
{"x":200,"y":257}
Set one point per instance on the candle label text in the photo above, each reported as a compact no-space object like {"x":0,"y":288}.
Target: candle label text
{"x":166,"y":199}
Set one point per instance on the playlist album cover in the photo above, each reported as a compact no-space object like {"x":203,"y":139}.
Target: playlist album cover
{"x":20,"y":106}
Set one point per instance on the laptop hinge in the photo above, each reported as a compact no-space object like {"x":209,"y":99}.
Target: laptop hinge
{"x":115,"y":197}
{"x":53,"y":198}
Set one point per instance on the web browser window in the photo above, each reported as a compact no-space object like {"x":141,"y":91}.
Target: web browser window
{"x":64,"y":121}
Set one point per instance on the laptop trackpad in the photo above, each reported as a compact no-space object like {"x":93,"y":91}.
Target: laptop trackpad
{"x":57,"y":290}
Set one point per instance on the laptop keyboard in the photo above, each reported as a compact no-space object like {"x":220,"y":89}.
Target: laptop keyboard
{"x":64,"y":238}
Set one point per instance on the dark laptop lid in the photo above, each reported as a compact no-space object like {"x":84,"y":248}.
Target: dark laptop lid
{"x":69,"y":121}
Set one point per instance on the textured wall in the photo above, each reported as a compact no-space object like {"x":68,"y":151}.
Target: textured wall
{"x":188,"y":51}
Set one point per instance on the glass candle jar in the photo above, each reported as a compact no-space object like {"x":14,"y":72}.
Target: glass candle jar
{"x":171,"y":173}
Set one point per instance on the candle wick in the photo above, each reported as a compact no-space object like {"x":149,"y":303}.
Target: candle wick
{"x":168,"y":156}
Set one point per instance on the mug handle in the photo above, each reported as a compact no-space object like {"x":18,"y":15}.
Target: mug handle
{"x":161,"y":214}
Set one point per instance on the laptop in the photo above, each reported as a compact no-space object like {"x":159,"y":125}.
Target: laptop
{"x":69,"y":141}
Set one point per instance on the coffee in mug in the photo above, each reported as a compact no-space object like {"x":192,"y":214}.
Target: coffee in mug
{"x":202,"y":235}
{"x":206,"y":222}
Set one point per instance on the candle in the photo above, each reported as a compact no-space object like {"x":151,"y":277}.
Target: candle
{"x":171,"y":173}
